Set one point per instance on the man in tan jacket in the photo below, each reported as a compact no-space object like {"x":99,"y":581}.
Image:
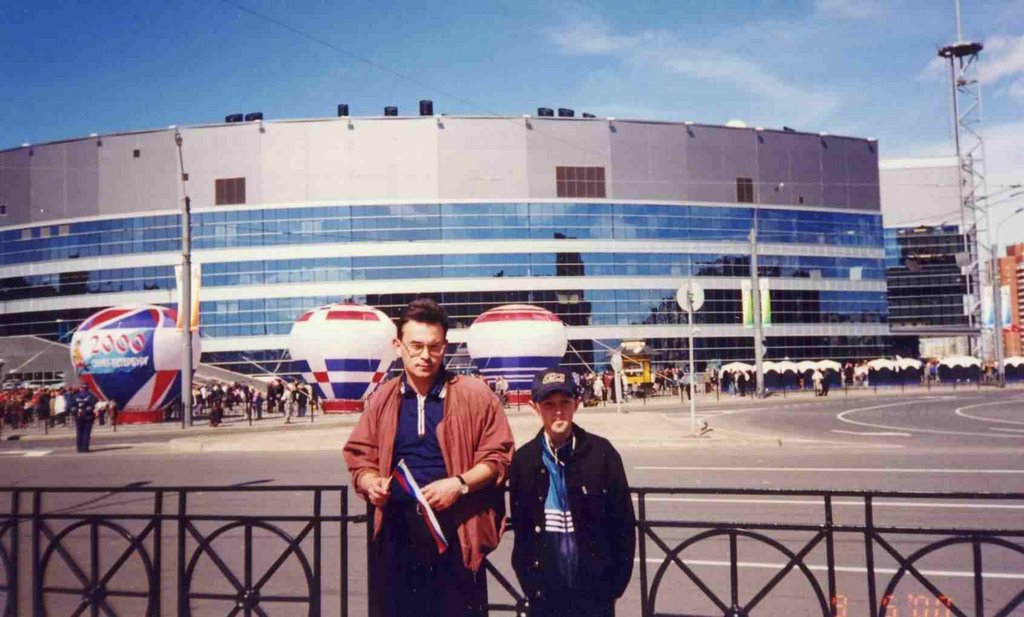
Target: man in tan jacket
{"x":453,"y":436}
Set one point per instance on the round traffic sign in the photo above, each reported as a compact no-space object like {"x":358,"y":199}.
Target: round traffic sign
{"x":690,"y":296}
{"x":616,"y":362}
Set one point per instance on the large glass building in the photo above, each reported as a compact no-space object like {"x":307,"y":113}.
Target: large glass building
{"x":924,"y":257}
{"x":597,"y":219}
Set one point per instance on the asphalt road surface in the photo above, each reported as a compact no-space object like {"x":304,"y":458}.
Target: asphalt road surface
{"x":944,"y":442}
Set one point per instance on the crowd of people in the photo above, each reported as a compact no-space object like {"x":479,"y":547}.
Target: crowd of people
{"x":25,"y":407}
{"x":290,"y":399}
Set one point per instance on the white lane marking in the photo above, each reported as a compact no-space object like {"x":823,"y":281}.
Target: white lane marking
{"x":767,"y":565}
{"x":841,"y":502}
{"x":839,"y":469}
{"x":26,"y":453}
{"x":960,"y":412}
{"x":1008,"y":430}
{"x":873,"y":433}
{"x":37,"y":453}
{"x":842,"y":418}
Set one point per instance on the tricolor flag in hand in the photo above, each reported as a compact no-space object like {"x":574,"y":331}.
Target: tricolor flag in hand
{"x":403,"y":476}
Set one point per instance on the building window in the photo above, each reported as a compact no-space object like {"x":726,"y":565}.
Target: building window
{"x":745,"y":190}
{"x":3,"y":209}
{"x":229,"y":191}
{"x":136,"y":153}
{"x":580,"y":181}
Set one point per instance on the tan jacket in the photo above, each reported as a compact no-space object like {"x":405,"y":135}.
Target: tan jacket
{"x":474,"y":430}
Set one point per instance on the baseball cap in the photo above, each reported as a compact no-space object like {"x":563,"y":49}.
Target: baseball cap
{"x":549,"y":381}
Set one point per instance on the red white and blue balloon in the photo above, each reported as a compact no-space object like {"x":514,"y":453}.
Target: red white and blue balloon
{"x":344,"y":351}
{"x":132,"y":355}
{"x":516,"y":341}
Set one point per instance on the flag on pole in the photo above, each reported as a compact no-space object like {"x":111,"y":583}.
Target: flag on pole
{"x":766,"y":303}
{"x":196,"y":279}
{"x":747,"y":303}
{"x":403,"y":476}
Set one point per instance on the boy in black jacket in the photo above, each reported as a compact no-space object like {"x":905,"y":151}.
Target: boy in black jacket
{"x":571,"y":511}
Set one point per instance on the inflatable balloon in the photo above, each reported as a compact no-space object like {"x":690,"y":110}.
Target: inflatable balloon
{"x":343,"y":351}
{"x":516,"y":341}
{"x":131,"y":355}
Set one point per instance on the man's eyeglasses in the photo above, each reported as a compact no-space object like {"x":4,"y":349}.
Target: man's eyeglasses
{"x":434,"y":349}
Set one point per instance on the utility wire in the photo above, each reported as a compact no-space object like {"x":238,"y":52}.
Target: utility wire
{"x":394,"y":73}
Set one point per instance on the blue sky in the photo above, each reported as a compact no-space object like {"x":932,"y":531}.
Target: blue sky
{"x":857,"y":67}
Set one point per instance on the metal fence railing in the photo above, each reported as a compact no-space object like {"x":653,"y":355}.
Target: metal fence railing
{"x":267,"y":550}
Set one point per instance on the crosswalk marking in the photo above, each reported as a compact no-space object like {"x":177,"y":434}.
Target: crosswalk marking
{"x":26,"y":453}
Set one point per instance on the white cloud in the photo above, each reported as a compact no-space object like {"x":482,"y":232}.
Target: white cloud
{"x":849,"y":9}
{"x":937,"y":70}
{"x":595,"y":37}
{"x":1003,"y":57}
{"x":668,"y":57}
{"x":1016,"y":90}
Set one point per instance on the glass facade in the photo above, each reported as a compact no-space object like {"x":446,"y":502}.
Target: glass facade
{"x":404,"y":223}
{"x":393,"y":267}
{"x":494,"y":221}
{"x":628,"y":303}
{"x":603,"y":307}
{"x":143,"y":234}
{"x":925,"y":285}
{"x":672,"y":352}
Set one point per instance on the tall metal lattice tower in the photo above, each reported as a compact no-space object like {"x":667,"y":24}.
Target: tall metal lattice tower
{"x":963,"y":56}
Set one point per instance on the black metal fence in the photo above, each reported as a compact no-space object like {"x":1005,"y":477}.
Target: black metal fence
{"x":297,"y":550}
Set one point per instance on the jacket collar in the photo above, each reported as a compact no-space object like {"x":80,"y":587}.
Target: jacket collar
{"x":437,"y":391}
{"x":581,"y":441}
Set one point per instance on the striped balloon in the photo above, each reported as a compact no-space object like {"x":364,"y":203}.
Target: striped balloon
{"x":516,"y":341}
{"x":131,"y":355}
{"x":343,"y":351}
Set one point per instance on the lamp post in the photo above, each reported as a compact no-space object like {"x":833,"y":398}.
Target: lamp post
{"x":185,"y":304}
{"x":997,"y":300}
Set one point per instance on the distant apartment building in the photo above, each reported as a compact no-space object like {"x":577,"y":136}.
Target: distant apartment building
{"x":1011,"y":274}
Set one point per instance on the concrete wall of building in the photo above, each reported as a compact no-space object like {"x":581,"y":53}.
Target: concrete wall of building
{"x":922,"y":191}
{"x":432,"y":158}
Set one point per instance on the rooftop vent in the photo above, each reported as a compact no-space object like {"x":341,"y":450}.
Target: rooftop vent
{"x":390,"y":110}
{"x":545,"y":112}
{"x":232,"y":118}
{"x":342,"y":110}
{"x":426,"y":107}
{"x":564,"y":112}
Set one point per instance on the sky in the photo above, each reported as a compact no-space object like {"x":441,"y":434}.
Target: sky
{"x":866,"y":68}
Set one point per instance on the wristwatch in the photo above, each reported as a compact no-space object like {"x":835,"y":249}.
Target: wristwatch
{"x":464,"y":489}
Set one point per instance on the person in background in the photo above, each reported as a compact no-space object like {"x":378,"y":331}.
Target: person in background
{"x":83,"y":406}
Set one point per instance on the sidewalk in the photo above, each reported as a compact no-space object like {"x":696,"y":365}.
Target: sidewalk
{"x":655,"y":422}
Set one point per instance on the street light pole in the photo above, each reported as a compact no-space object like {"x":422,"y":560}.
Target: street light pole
{"x":185,"y":306}
{"x":755,"y":298}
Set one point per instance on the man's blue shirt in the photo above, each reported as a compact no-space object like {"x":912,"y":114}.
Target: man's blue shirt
{"x":416,"y":438}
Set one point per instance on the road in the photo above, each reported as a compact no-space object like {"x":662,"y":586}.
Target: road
{"x":944,"y":442}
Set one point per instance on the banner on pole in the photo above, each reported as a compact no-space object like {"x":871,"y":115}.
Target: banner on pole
{"x":988,"y":313}
{"x":196,"y":283}
{"x":766,"y":303}
{"x":747,"y":302}
{"x":1005,"y":308}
